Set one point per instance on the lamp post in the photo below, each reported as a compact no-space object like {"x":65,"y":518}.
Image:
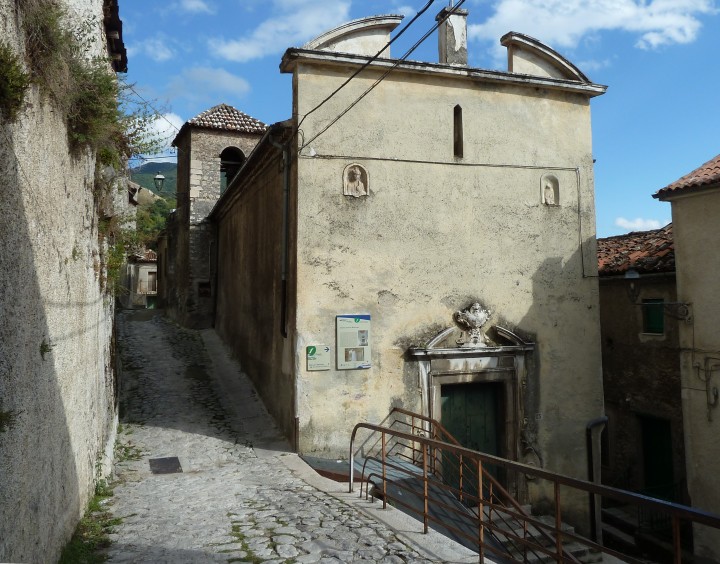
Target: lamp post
{"x":159,"y":180}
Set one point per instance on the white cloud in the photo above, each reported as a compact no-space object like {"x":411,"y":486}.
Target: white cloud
{"x":207,"y":83}
{"x":563,"y":23}
{"x":157,"y":49}
{"x":164,"y":128}
{"x":639,"y":224}
{"x":294,"y":23}
{"x":196,"y":7}
{"x":593,"y":65}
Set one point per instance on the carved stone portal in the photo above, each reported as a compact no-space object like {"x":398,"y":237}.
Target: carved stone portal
{"x":471,"y":321}
{"x":355,"y":181}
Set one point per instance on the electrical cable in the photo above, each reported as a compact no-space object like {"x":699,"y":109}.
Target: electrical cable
{"x":369,"y":61}
{"x":385,"y":74}
{"x":149,"y":105}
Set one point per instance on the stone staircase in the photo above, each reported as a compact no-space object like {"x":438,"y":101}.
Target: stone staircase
{"x":516,"y":551}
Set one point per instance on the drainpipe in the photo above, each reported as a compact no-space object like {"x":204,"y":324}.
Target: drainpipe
{"x":284,"y":253}
{"x":593,"y":430}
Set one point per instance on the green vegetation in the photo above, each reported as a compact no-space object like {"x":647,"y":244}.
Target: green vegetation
{"x":97,"y":109}
{"x":14,"y":82}
{"x":91,"y":534}
{"x":127,"y":451}
{"x":151,"y":220}
{"x":101,"y":116}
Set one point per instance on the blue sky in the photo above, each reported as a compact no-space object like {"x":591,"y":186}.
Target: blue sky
{"x":658,"y":120}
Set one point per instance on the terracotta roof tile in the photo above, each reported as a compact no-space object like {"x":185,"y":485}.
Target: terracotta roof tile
{"x":645,"y":251}
{"x":703,"y":176}
{"x":227,"y":118}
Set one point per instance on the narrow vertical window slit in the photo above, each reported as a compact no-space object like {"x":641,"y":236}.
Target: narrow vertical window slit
{"x":458,"y":132}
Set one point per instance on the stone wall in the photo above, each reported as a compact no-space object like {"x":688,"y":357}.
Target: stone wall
{"x":641,"y":380}
{"x":249,"y":290}
{"x":57,"y":400}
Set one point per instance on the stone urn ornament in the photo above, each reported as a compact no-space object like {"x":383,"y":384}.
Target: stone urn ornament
{"x":471,"y":322}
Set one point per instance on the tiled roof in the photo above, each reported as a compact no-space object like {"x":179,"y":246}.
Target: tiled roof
{"x":147,"y":255}
{"x":645,"y":251}
{"x":228,"y":118}
{"x":706,"y":175}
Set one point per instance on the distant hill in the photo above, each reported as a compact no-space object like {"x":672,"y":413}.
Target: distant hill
{"x":143,"y":175}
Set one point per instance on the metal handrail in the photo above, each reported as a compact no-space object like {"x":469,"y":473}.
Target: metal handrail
{"x":436,"y":426}
{"x":677,"y":512}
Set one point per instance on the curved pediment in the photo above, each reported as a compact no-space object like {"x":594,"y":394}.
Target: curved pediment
{"x":365,"y":36}
{"x":527,"y":55}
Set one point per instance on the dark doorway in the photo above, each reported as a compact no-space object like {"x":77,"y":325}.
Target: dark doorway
{"x":657,"y":457}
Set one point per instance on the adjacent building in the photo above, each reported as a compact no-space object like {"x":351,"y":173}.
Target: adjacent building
{"x":640,"y":325}
{"x":695,"y":200}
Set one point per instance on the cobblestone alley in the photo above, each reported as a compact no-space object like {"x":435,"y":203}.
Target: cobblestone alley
{"x":241,"y":495}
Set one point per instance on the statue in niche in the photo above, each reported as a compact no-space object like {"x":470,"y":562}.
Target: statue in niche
{"x":471,"y":321}
{"x":355,"y":181}
{"x":549,"y":194}
{"x":550,"y":190}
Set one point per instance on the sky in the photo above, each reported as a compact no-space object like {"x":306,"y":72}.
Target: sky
{"x":658,"y":120}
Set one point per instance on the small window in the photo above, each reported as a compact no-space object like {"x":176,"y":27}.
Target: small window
{"x":653,"y":316}
{"x":458,"y":132}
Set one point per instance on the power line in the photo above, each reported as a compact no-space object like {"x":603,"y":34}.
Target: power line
{"x":369,"y":61}
{"x":149,"y":105}
{"x":448,"y":13}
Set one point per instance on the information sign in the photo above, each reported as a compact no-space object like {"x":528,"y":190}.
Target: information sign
{"x":353,"y":341}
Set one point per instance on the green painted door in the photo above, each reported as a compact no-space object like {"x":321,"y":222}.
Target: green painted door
{"x":470,"y":413}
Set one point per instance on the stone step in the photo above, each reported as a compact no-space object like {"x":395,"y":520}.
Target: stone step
{"x":621,"y":519}
{"x":618,"y":539}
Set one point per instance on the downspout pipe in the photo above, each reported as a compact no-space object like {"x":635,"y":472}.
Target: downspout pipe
{"x":285,"y":248}
{"x":593,"y":430}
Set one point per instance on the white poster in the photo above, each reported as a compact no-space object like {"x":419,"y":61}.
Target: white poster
{"x":353,"y":341}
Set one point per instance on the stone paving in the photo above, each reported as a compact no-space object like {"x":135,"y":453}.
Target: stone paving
{"x":241,"y":495}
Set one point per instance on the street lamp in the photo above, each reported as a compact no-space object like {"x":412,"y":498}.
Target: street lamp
{"x":159,"y":180}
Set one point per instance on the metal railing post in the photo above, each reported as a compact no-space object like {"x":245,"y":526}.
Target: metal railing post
{"x":425,"y":491}
{"x":677,"y":548}
{"x":384,"y":473}
{"x":558,"y":523}
{"x":481,"y":514}
{"x":352,"y":463}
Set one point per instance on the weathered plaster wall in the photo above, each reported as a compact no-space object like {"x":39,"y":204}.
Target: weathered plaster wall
{"x":698,"y":269}
{"x":198,"y":189}
{"x":641,"y":378}
{"x":437,"y":232}
{"x":249,"y":286}
{"x":56,"y":373}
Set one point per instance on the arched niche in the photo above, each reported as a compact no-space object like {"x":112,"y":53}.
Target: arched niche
{"x":550,"y":190}
{"x":231,"y":160}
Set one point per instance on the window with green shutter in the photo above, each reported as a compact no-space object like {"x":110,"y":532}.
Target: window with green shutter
{"x":653,"y":316}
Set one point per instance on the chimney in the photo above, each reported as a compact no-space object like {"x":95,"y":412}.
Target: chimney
{"x":452,"y":37}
